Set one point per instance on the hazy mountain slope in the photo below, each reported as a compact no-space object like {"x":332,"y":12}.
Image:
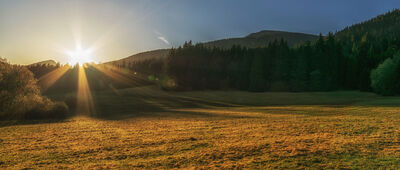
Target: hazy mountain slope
{"x":262,"y":38}
{"x":160,"y":53}
{"x":47,"y":62}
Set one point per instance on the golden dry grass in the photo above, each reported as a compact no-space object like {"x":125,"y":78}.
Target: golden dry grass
{"x":211,"y":134}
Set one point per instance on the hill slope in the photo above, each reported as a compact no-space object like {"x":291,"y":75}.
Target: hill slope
{"x":46,"y":62}
{"x":155,"y":54}
{"x":262,"y":38}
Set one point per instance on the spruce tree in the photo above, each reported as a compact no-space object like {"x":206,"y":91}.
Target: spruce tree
{"x":257,"y":81}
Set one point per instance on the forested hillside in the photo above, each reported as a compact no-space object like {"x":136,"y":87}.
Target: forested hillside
{"x":386,"y":26}
{"x":368,"y":44}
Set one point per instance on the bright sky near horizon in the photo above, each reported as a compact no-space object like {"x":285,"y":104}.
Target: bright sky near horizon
{"x":32,"y":31}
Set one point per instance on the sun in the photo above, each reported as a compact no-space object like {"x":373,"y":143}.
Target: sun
{"x":79,"y":56}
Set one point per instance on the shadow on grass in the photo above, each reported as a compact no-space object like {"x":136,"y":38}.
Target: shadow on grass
{"x":152,"y":102}
{"x":6,"y":123}
{"x":111,"y":101}
{"x":149,"y":101}
{"x":117,"y":107}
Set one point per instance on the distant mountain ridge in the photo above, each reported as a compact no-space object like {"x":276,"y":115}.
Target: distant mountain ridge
{"x":262,"y":38}
{"x":253,"y":40}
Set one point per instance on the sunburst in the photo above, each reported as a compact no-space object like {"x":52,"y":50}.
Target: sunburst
{"x":80,"y":56}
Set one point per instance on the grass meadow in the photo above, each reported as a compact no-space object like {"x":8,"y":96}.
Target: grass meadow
{"x":148,"y":128}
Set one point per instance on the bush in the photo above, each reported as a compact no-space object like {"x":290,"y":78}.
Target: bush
{"x":20,"y":96}
{"x":47,"y":110}
{"x":385,"y":78}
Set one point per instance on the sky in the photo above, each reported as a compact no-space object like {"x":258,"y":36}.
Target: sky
{"x":32,"y":31}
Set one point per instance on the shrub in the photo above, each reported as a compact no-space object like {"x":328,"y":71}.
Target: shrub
{"x":385,"y":78}
{"x":20,"y":96}
{"x":47,"y":110}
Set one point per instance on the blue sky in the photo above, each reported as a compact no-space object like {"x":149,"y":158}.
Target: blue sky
{"x":32,"y":31}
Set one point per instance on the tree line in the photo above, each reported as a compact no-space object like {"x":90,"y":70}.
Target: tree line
{"x":325,"y":65}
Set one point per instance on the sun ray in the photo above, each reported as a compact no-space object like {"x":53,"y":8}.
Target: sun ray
{"x":85,"y":104}
{"x":49,"y":79}
{"x":116,"y":74}
{"x":126,"y":77}
{"x":125,"y":71}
